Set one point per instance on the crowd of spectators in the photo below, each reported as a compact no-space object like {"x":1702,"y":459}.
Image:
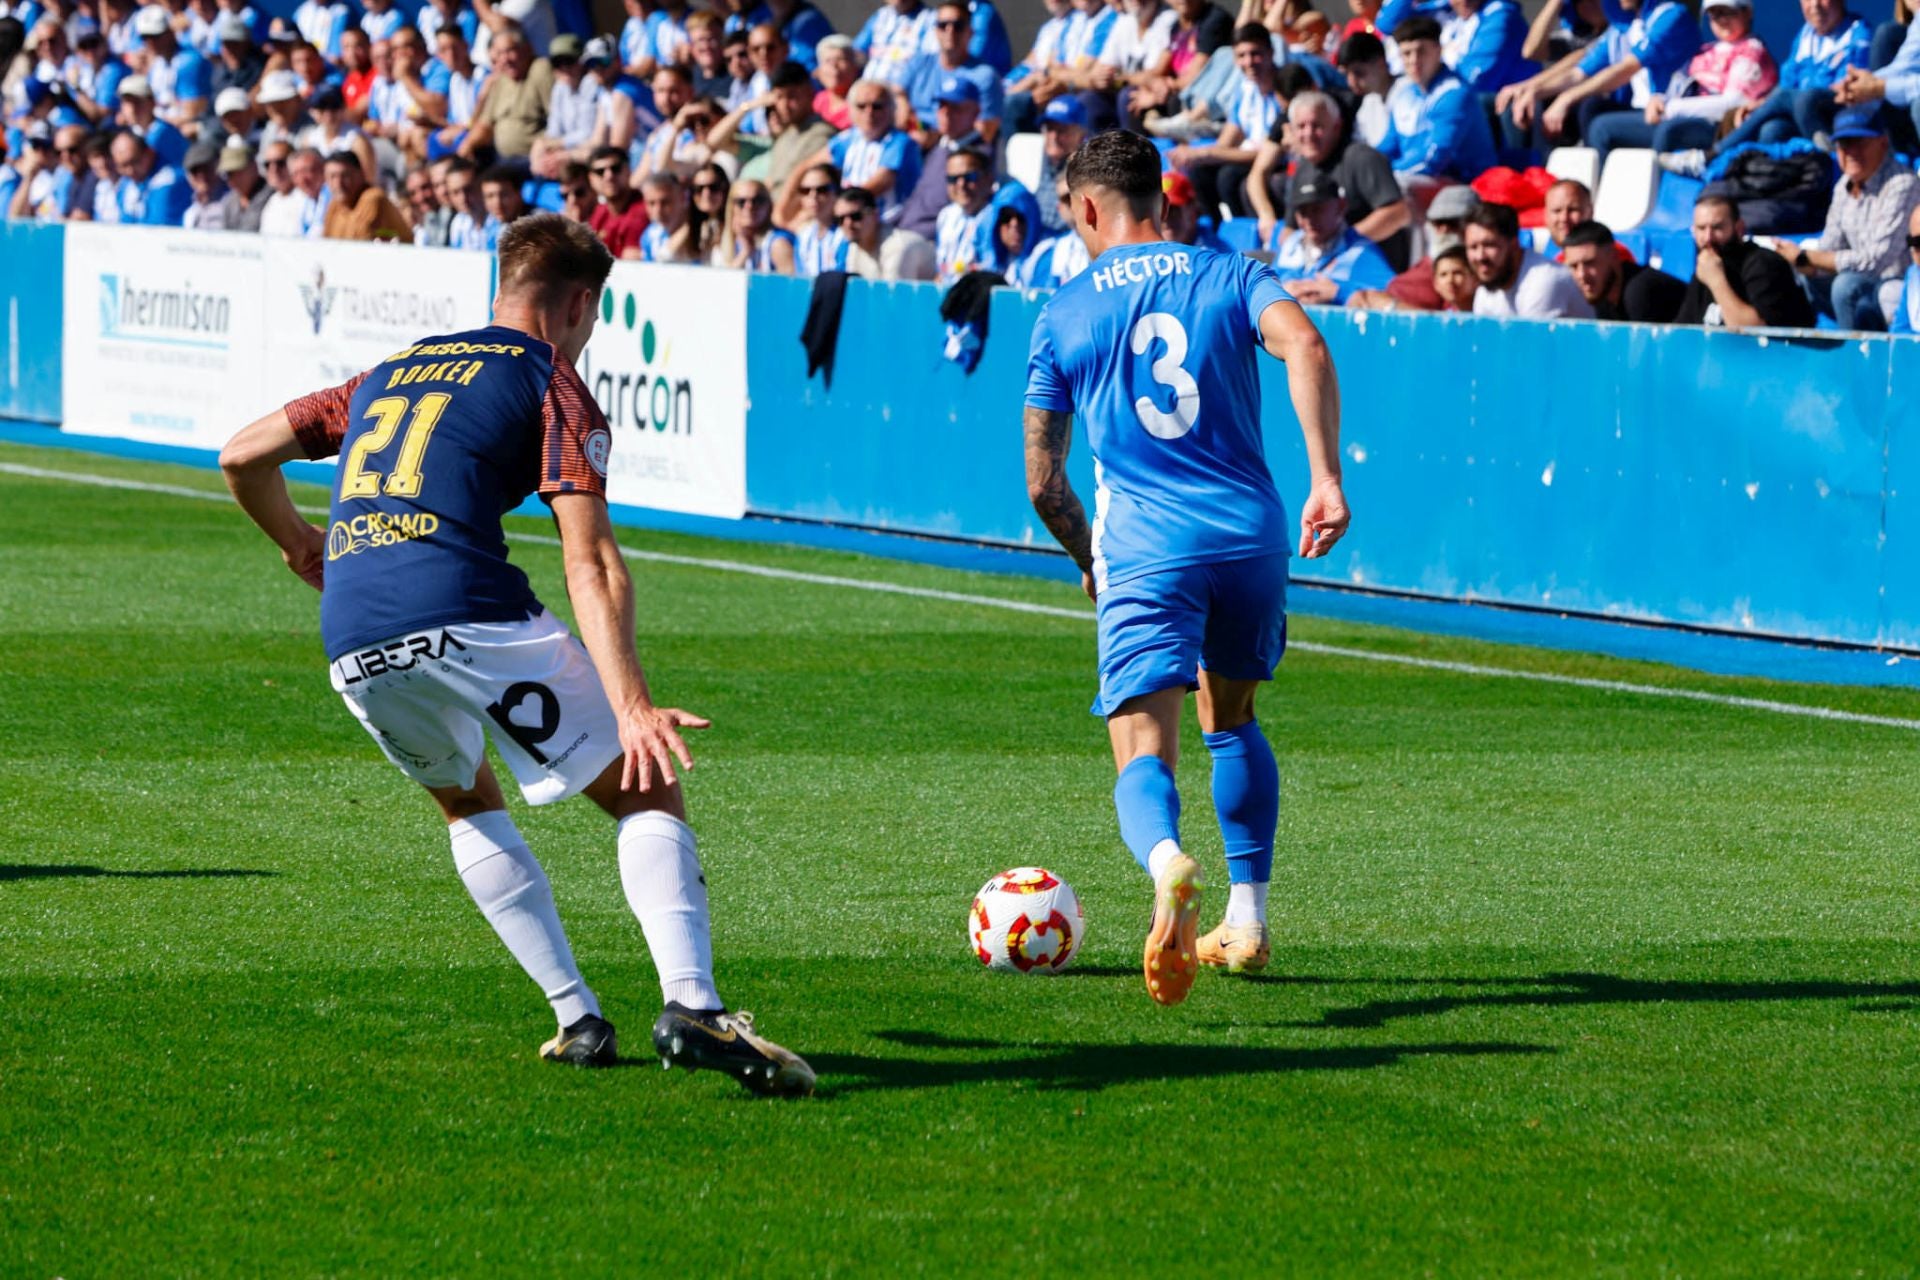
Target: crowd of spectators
{"x":750,"y":135}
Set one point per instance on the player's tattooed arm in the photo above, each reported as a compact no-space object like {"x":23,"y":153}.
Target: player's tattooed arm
{"x":1049,"y":432}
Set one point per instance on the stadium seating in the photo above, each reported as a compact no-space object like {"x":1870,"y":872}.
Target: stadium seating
{"x":1625,"y":194}
{"x":1242,"y":235}
{"x":1582,"y":164}
{"x":1025,"y":160}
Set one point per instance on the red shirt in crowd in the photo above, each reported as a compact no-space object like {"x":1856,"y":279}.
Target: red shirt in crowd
{"x":356,"y":86}
{"x":619,"y":231}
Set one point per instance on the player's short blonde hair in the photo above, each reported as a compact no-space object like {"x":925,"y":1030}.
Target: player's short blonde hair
{"x":544,"y":254}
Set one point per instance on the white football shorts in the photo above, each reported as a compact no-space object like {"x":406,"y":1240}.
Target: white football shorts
{"x":430,"y":697}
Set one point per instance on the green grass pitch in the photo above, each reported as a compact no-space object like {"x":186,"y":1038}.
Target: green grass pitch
{"x":1564,"y":981}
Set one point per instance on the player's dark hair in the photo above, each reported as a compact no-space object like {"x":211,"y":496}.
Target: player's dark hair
{"x":545,"y":254}
{"x":1124,"y":163}
{"x":1418,"y":27}
{"x":791,"y":75}
{"x":1361,"y":48}
{"x":1497,"y":218}
{"x":1588,"y":232}
{"x":1252,"y":33}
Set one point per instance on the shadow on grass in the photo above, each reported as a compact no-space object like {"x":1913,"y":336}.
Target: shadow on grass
{"x":1578,"y":990}
{"x":74,"y":871}
{"x":1092,"y":1067}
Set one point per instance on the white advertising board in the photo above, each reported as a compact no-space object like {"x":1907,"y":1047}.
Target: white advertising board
{"x":336,"y":307}
{"x":668,"y":365}
{"x":164,"y":337}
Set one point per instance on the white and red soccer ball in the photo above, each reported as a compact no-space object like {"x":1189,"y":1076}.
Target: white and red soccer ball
{"x":1026,"y":920}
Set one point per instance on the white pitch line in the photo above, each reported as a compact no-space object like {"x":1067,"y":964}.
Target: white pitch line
{"x":1081,"y":615}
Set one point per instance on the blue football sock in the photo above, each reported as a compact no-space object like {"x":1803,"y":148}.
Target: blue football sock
{"x":1246,"y":795}
{"x":1148,"y":805}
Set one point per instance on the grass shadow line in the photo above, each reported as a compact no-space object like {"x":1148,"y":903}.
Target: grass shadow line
{"x":77,"y":871}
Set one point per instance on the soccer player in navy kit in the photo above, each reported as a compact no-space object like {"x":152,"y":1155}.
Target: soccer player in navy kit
{"x":1155,"y":346}
{"x":436,"y":640}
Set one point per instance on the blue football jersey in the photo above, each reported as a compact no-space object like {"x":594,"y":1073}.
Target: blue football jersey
{"x":1154,"y":347}
{"x":436,"y":444}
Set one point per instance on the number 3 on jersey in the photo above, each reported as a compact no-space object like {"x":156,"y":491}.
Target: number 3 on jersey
{"x":356,"y":481}
{"x":1168,"y":371}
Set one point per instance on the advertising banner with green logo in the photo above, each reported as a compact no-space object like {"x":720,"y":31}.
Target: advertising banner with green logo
{"x":164,"y":340}
{"x":668,"y":365}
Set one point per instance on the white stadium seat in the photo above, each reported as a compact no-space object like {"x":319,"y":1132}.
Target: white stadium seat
{"x":1582,"y":164}
{"x":1624,"y":197}
{"x":1024,"y":157}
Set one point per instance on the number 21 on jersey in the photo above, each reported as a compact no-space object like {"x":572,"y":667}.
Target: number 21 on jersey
{"x":357,"y":480}
{"x":1168,"y":371}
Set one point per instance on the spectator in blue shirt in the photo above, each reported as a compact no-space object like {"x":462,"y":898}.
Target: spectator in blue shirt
{"x":321,"y":24}
{"x":1898,"y":83}
{"x":1484,"y":44}
{"x":137,"y":114}
{"x":1648,"y":41}
{"x":872,"y":154}
{"x":180,"y":78}
{"x":1437,"y":131}
{"x":927,"y":72}
{"x":94,"y":82}
{"x":1323,"y":260}
{"x":1219,"y":169}
{"x":149,"y":193}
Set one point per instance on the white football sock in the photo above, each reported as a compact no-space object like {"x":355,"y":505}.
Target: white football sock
{"x":660,"y":870}
{"x":1247,"y":903}
{"x":511,"y":890}
{"x":1163,"y":853}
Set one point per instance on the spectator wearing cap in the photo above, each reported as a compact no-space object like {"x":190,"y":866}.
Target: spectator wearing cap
{"x":333,"y":132}
{"x":239,"y":64}
{"x":179,"y":77}
{"x":796,"y":133}
{"x":1219,"y":169}
{"x":956,"y":120}
{"x":204,"y":213}
{"x":1644,"y":52}
{"x":279,"y":96}
{"x":247,"y":192}
{"x":1363,"y":61}
{"x":1326,"y":261}
{"x":513,"y":111}
{"x":1618,"y":288}
{"x":94,"y":77}
{"x":615,"y":110}
{"x":1183,"y":221}
{"x":620,"y":216}
{"x":1514,"y":280}
{"x":876,"y":251}
{"x":1413,"y":289}
{"x":1736,"y":283}
{"x":321,"y":23}
{"x":572,"y":111}
{"x":1802,"y":105}
{"x":836,"y":73}
{"x":873,"y":155}
{"x":149,"y":193}
{"x":359,"y":210}
{"x":897,"y":33}
{"x":937,"y":74}
{"x":137,"y":114}
{"x":1436,"y":130}
{"x":1905,"y":317}
{"x":1853,"y":270}
{"x":1063,"y":127}
{"x":817,"y":239}
{"x":1317,"y":135}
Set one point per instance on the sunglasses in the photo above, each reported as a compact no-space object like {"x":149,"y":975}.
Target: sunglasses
{"x":66,"y":151}
{"x":820,"y":191}
{"x":868,"y":106}
{"x":948,"y":24}
{"x":274,"y":164}
{"x":970,"y":178}
{"x":852,"y":215}
{"x":606,"y":170}
{"x":580,"y":193}
{"x":748,"y":202}
{"x":1913,"y":242}
{"x":759,"y":48}
{"x":706,"y":188}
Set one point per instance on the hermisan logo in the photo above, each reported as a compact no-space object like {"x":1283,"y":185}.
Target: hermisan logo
{"x":179,"y":317}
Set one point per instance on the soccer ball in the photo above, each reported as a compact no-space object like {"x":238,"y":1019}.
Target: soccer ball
{"x":1026,"y":920}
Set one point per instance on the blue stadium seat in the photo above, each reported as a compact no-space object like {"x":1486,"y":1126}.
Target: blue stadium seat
{"x":1672,"y":251}
{"x":1242,"y":235}
{"x":1673,"y":203}
{"x":543,"y":195}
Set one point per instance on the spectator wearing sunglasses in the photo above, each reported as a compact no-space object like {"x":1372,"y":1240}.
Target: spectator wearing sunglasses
{"x":818,"y":241}
{"x":620,"y":218}
{"x":665,"y":238}
{"x":52,"y":167}
{"x":751,"y":242}
{"x":707,"y":212}
{"x":875,"y":251}
{"x":929,"y":74}
{"x":873,"y":154}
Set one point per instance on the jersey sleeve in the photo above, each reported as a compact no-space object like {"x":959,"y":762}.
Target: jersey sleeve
{"x":1263,"y":289}
{"x":320,"y":419}
{"x":1046,"y":385}
{"x":575,"y":440}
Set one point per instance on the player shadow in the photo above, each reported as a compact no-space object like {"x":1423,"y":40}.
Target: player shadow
{"x":1089,"y":1068}
{"x":1581,"y":990}
{"x":76,"y":871}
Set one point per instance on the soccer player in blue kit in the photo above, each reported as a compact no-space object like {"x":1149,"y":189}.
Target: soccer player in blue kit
{"x":1155,"y":347}
{"x":436,"y":640}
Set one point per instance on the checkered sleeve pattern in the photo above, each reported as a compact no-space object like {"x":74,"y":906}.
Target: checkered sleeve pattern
{"x":320,"y":420}
{"x":576,"y":441}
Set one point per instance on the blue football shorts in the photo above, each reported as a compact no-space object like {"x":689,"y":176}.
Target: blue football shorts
{"x":1158,"y":629}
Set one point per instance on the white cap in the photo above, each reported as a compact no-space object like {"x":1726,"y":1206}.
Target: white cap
{"x":231,"y":98}
{"x":135,"y":87}
{"x":275,"y":86}
{"x":151,"y":21}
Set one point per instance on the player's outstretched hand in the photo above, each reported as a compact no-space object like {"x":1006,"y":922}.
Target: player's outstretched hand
{"x":308,"y":557}
{"x":1324,"y":519}
{"x":650,"y":739}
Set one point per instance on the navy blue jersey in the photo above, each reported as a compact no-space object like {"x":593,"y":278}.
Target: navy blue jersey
{"x":1155,"y":348}
{"x":436,"y":443}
